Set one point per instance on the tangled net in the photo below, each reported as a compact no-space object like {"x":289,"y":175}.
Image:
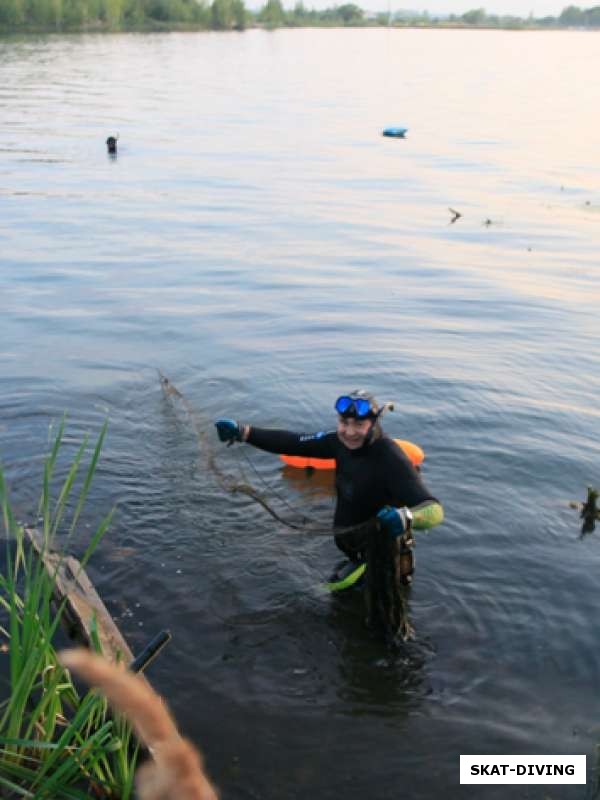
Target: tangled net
{"x":389,"y":573}
{"x":390,"y":561}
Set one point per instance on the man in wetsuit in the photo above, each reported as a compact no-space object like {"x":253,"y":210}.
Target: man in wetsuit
{"x":373,"y":476}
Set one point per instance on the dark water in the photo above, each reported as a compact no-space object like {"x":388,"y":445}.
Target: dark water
{"x":262,"y":244}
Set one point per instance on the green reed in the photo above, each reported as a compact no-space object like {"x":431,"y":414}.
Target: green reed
{"x":54,"y":742}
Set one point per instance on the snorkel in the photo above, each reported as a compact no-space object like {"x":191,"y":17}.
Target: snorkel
{"x":376,"y":431}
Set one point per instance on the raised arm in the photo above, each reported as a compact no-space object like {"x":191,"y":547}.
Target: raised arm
{"x":314,"y":445}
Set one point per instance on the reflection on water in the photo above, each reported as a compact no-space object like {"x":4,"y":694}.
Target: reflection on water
{"x":259,"y":241}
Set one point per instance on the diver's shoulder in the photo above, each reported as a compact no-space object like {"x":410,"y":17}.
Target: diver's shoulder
{"x":384,"y":442}
{"x":387,"y":447}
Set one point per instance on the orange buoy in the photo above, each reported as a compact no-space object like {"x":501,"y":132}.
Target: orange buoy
{"x":413,"y":451}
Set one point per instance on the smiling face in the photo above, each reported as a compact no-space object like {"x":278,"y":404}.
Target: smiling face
{"x":353,"y":432}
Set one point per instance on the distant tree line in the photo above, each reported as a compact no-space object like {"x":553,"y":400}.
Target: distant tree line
{"x":571,"y":16}
{"x":115,"y":15}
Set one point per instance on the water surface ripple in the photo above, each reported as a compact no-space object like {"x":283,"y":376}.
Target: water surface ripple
{"x":259,"y":241}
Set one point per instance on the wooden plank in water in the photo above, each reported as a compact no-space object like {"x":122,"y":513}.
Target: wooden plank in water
{"x":83,"y":602}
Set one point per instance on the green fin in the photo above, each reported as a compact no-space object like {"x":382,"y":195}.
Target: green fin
{"x":349,"y":580}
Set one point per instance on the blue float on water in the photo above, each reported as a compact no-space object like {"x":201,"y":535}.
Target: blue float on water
{"x":398,"y":133}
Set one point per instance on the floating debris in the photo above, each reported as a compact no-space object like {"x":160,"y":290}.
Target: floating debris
{"x":588,"y":511}
{"x":395,"y":132}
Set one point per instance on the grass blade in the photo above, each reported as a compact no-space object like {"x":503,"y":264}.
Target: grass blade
{"x":89,"y":477}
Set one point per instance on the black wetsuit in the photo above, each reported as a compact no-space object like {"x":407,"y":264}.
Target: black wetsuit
{"x":375,"y":475}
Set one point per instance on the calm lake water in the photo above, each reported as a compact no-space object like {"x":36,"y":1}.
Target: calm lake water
{"x":262,"y":244}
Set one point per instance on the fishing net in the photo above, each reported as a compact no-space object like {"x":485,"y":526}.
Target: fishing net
{"x":390,"y":565}
{"x":389,"y":560}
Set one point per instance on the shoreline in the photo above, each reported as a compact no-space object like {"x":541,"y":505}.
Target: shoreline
{"x":187,"y":28}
